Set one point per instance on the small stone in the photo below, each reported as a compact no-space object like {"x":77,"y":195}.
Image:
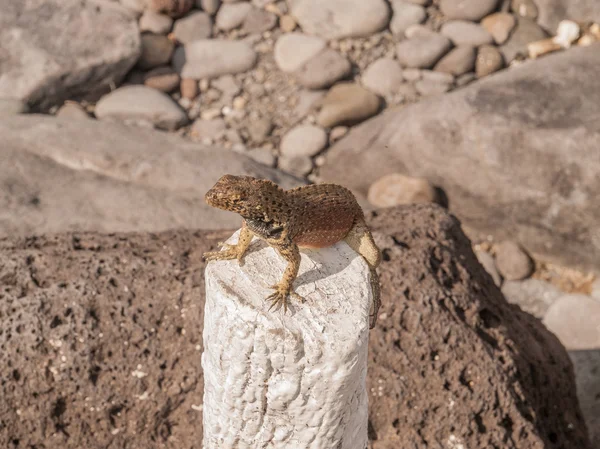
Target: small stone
{"x":259,"y":21}
{"x":293,"y":50}
{"x":405,"y":14}
{"x":459,"y":61}
{"x":418,"y":31}
{"x":567,"y":33}
{"x":429,"y":88}
{"x":156,"y":23}
{"x":395,"y":189}
{"x":263,"y":156}
{"x":239,"y":103}
{"x":323,"y":70}
{"x":489,"y":60}
{"x":340,"y":19}
{"x":156,"y":51}
{"x":532,"y":295}
{"x":499,"y":25}
{"x":227,"y":85}
{"x":233,"y":136}
{"x":463,"y":32}
{"x":308,"y":101}
{"x":189,"y":88}
{"x":574,"y":320}
{"x":487,"y":262}
{"x":437,"y":77}
{"x":303,"y":140}
{"x":525,"y":8}
{"x":210,"y":114}
{"x":172,"y":8}
{"x":232,"y":15}
{"x":72,"y":111}
{"x":337,"y":133}
{"x":162,"y":78}
{"x":347,"y":104}
{"x":208,"y":129}
{"x":411,"y":75}
{"x":525,"y":31}
{"x":383,"y":76}
{"x":474,"y":10}
{"x":299,"y":166}
{"x":287,"y":23}
{"x":141,"y":103}
{"x":260,"y":129}
{"x":539,"y":48}
{"x":12,"y":106}
{"x":513,"y":262}
{"x":209,"y":6}
{"x":210,"y":58}
{"x":194,"y":26}
{"x":423,"y":52}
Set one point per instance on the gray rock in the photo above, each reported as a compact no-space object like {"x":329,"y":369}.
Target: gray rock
{"x":259,"y":20}
{"x":525,"y":8}
{"x":532,"y":295}
{"x":162,"y":78}
{"x":463,"y":32}
{"x":587,"y":367}
{"x":72,"y":111}
{"x":467,"y":9}
{"x":499,"y":25}
{"x":513,"y":262}
{"x":133,"y":103}
{"x":383,"y":77}
{"x":12,"y":106}
{"x":259,"y":130}
{"x":303,"y":140}
{"x":487,"y":262}
{"x":308,"y":101}
{"x":232,"y":15}
{"x":346,"y":104}
{"x":156,"y":51}
{"x":323,"y":70}
{"x":526,"y":143}
{"x":293,"y":50}
{"x":525,"y":31}
{"x":395,"y":189}
{"x":210,"y":58}
{"x":489,"y":60}
{"x":66,"y":175}
{"x":208,"y":129}
{"x":209,"y":6}
{"x":404,"y":15}
{"x":263,"y":156}
{"x":154,"y":22}
{"x":43,"y":65}
{"x":574,"y":320}
{"x":423,"y":52}
{"x":298,"y":165}
{"x":336,"y":19}
{"x":194,"y":26}
{"x":551,"y":12}
{"x":459,"y":61}
{"x":227,"y":85}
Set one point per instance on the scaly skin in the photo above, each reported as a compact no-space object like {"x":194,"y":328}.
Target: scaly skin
{"x":312,"y":216}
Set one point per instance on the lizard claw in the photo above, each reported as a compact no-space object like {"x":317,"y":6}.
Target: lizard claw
{"x":227,"y":252}
{"x":280,"y":296}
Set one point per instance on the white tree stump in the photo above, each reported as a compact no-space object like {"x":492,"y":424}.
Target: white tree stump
{"x":289,"y":381}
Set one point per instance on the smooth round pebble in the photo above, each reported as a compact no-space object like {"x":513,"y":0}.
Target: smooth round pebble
{"x":162,"y":78}
{"x":323,"y":70}
{"x":337,"y":133}
{"x":499,"y":25}
{"x":383,"y":76}
{"x":172,"y":8}
{"x":459,"y":61}
{"x":534,"y":296}
{"x":156,"y":51}
{"x":192,"y":27}
{"x":467,"y":9}
{"x":525,"y":32}
{"x":154,"y":22}
{"x":525,"y":8}
{"x":303,"y":140}
{"x":141,"y":103}
{"x":513,"y":262}
{"x":189,"y":88}
{"x":287,"y":23}
{"x":463,"y":32}
{"x":210,"y":58}
{"x":404,"y":15}
{"x":423,"y":52}
{"x":575,"y":320}
{"x":232,"y":15}
{"x":293,"y":50}
{"x":258,"y":21}
{"x":395,"y":189}
{"x":263,"y":156}
{"x":347,"y":104}
{"x":299,"y":166}
{"x":208,"y":129}
{"x":489,"y":60}
{"x":260,"y":129}
{"x":72,"y":111}
{"x":209,"y":6}
{"x":487,"y":262}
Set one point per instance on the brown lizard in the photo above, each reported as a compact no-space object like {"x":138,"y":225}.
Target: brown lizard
{"x":312,"y":216}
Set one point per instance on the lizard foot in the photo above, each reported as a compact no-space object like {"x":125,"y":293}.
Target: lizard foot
{"x":280,"y":296}
{"x":229,"y":252}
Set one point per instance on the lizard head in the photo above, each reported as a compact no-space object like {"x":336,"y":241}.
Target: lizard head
{"x":252,"y":198}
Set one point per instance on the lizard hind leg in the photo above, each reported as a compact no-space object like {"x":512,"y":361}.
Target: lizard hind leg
{"x":360,"y":239}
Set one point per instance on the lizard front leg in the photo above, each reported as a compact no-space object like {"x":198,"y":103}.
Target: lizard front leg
{"x":236,"y":251}
{"x":290,"y":252}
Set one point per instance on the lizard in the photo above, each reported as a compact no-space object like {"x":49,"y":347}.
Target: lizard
{"x":310,"y":216}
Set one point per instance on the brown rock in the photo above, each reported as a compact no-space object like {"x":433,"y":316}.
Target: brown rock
{"x":287,"y":23}
{"x":189,"y":88}
{"x":347,"y":103}
{"x":92,"y":309}
{"x":395,"y":189}
{"x":513,"y":262}
{"x":164,"y":79}
{"x":156,"y":51}
{"x":173,"y":8}
{"x":72,"y":111}
{"x":459,"y":61}
{"x":489,"y":60}
{"x":323,"y":70}
{"x":499,"y":25}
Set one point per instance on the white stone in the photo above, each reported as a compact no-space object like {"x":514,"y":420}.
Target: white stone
{"x":405,"y":15}
{"x":575,"y":320}
{"x":336,"y":19}
{"x":156,"y":23}
{"x":567,"y":33}
{"x":231,"y":15}
{"x":286,"y":380}
{"x":383,"y":77}
{"x":141,"y":103}
{"x":293,"y":50}
{"x":209,"y":58}
{"x":303,"y":140}
{"x":194,"y":26}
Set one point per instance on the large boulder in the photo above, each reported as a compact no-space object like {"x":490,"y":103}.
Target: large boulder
{"x":516,"y":153}
{"x":59,"y":49}
{"x":100,"y":337}
{"x":59,"y":174}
